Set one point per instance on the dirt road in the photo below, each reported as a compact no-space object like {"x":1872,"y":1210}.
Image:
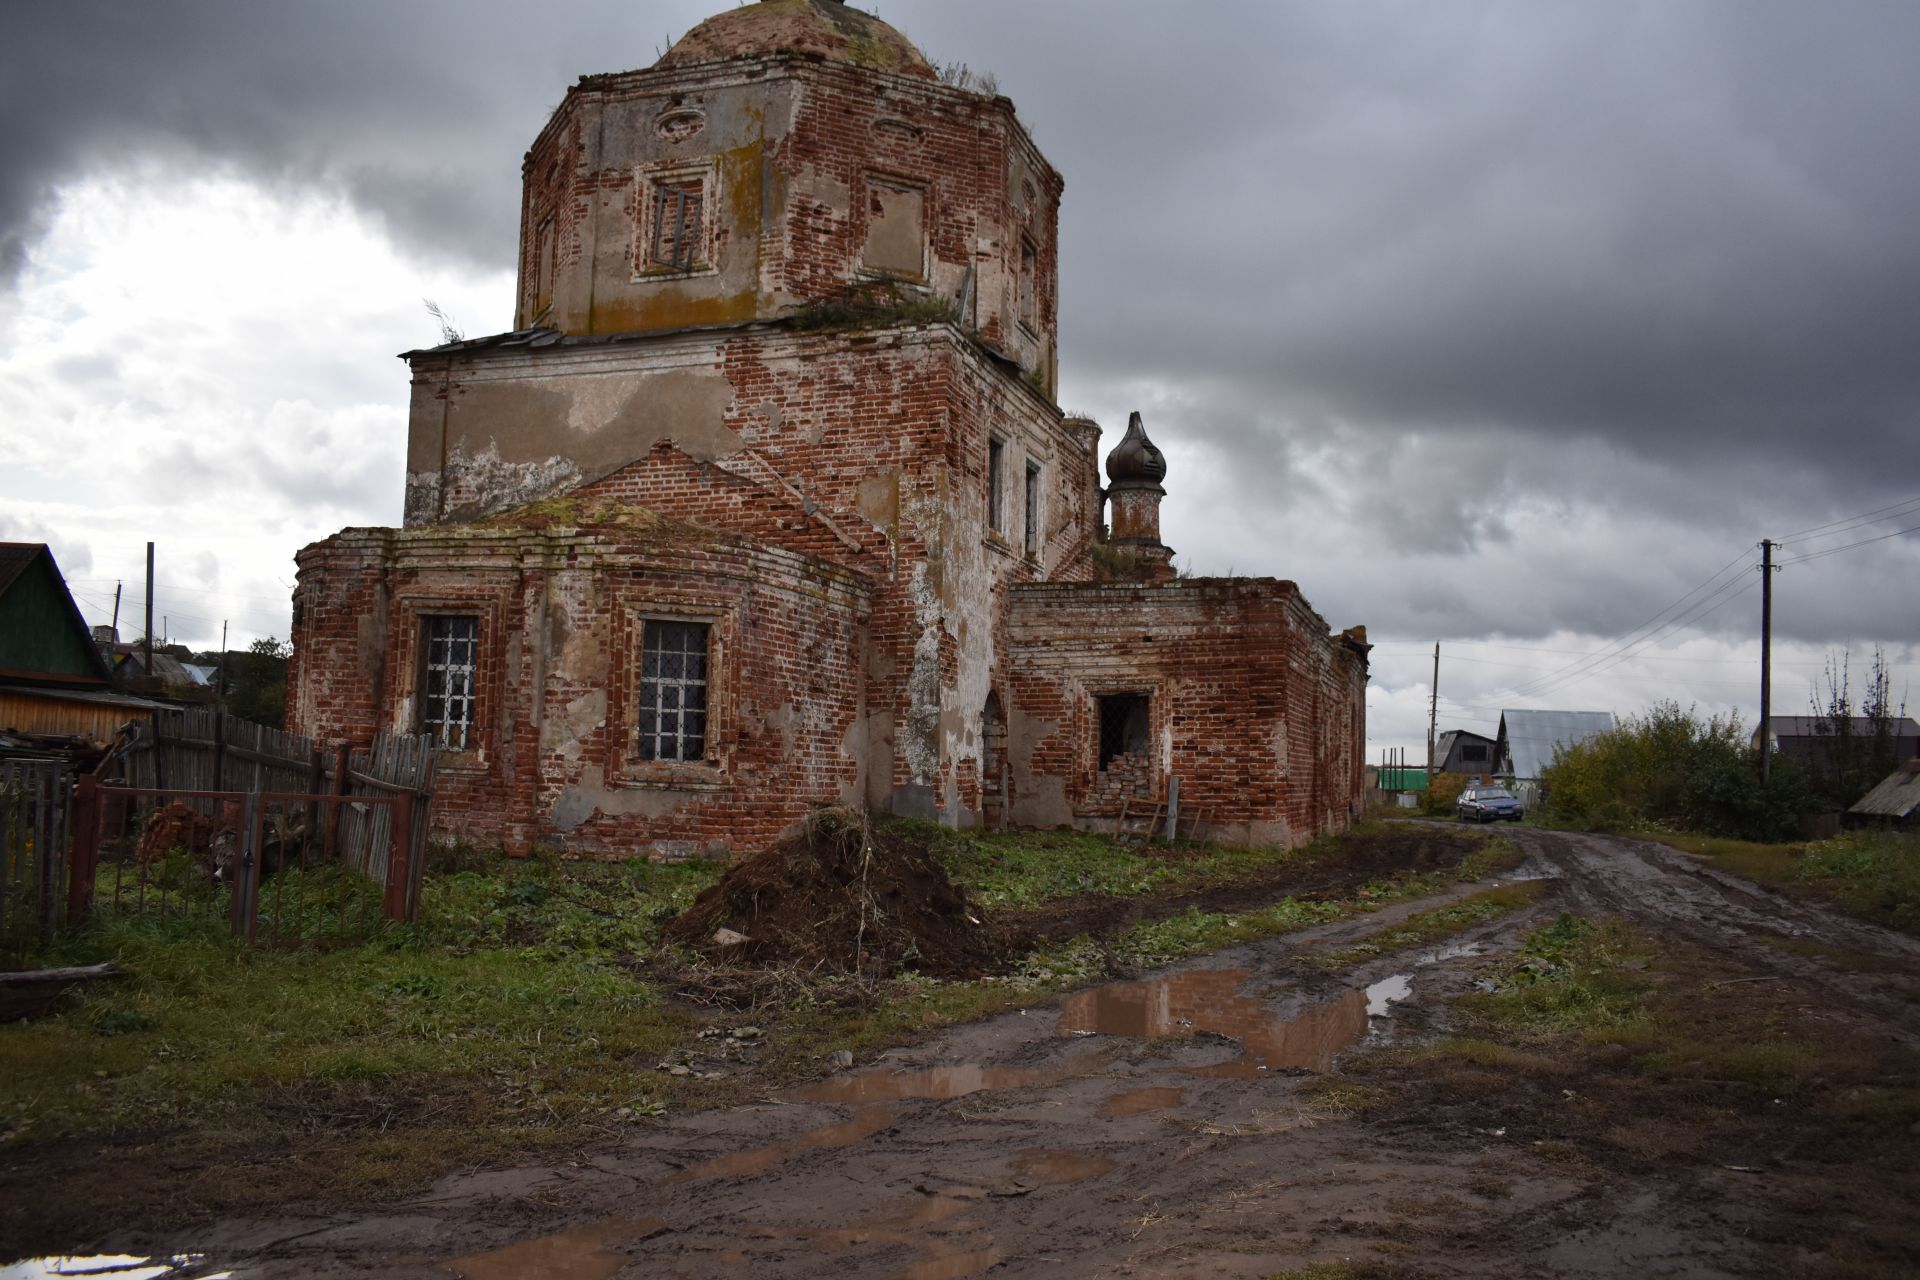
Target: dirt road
{"x":1158,"y":1128}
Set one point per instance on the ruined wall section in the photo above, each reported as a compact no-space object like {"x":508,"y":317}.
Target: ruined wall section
{"x":563,"y":594}
{"x":814,"y":179}
{"x":1252,"y":704}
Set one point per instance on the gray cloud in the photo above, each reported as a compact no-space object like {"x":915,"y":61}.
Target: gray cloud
{"x":1421,"y":284}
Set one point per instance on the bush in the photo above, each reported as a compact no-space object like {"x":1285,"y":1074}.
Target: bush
{"x":1669,"y":769}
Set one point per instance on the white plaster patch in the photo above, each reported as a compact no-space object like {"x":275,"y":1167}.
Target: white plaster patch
{"x":489,"y":483}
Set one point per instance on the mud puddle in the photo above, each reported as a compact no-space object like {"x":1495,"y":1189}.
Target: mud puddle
{"x":1208,"y":1001}
{"x":121,"y":1266}
{"x":585,"y":1253}
{"x":1058,"y":1167}
{"x":864,"y":1123}
{"x":935,"y":1082}
{"x":1140,"y":1102}
{"x":1387,"y":992}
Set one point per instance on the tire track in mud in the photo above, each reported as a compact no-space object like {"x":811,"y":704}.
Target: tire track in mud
{"x":1677,"y":895}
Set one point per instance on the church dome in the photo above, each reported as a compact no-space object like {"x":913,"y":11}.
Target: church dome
{"x":1134,"y":458}
{"x":820,"y":28}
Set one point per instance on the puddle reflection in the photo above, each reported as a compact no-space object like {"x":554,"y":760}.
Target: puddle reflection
{"x":121,"y":1266}
{"x":1387,"y":991}
{"x":1208,"y":1000}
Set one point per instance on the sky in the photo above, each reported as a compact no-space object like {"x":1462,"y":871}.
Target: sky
{"x":1512,"y":326}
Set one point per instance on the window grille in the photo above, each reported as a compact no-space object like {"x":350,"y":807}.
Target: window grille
{"x":676,"y":225}
{"x":673,"y":691}
{"x":996,"y":485}
{"x":447,"y":695}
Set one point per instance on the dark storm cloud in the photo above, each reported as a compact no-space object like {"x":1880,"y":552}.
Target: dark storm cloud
{"x":1419,"y":280}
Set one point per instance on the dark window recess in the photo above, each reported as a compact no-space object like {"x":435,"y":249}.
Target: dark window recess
{"x":673,"y":691}
{"x":1033,"y":508}
{"x":1472,"y":754}
{"x":676,"y":225}
{"x":448,"y":666}
{"x":1029,"y":264}
{"x":996,"y":485}
{"x":1123,"y":726}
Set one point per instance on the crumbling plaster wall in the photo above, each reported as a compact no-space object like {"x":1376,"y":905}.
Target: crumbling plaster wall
{"x":867,"y":448}
{"x":1252,"y":703}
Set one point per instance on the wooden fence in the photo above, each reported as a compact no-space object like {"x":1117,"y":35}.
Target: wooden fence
{"x":201,"y":749}
{"x":71,"y":845}
{"x":36,"y":823}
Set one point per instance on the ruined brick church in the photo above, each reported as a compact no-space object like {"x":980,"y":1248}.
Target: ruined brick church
{"x":766,"y":500}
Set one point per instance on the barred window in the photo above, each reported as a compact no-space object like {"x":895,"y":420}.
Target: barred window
{"x":449,"y":662}
{"x":673,"y":691}
{"x":677,"y":229}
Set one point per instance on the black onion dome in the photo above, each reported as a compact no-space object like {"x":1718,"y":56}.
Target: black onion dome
{"x":1135,"y":458}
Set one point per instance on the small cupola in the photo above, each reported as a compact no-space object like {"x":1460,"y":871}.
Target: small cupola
{"x":1135,"y":460}
{"x":1134,"y":472}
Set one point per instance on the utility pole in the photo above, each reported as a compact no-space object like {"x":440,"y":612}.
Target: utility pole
{"x":1433,"y":710}
{"x":1766,"y":660}
{"x":220,"y":669}
{"x":147,"y":643}
{"x":116,"y":611}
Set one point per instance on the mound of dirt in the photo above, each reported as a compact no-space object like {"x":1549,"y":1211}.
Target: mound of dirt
{"x":843,"y":894}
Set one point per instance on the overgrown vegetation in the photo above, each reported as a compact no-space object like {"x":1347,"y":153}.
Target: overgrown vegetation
{"x":1671,"y":770}
{"x":871,"y":304}
{"x":1875,"y":874}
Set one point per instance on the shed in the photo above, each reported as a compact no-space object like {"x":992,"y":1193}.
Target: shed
{"x":1894,"y":802}
{"x":1463,"y":751}
{"x":55,"y":688}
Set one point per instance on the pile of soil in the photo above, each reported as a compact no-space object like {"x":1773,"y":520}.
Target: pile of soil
{"x":844,"y":895}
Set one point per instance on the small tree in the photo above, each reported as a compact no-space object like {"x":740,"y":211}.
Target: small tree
{"x":1854,"y":748}
{"x":255,"y":682}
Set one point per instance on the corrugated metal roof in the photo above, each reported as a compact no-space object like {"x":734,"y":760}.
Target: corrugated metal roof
{"x":1897,"y":796}
{"x":1529,"y":738}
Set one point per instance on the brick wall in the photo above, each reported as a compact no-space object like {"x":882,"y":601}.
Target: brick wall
{"x":1258,"y":710}
{"x":562,"y":595}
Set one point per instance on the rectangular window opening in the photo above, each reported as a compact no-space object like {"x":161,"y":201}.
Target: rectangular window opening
{"x":676,"y":243}
{"x":449,"y":663}
{"x":1472,"y":753}
{"x":673,"y":691}
{"x":1029,"y":264}
{"x":1124,"y":727}
{"x":1033,"y":509}
{"x":996,"y":485}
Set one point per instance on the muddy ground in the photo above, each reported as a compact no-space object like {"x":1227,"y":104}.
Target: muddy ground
{"x":1161,"y":1128}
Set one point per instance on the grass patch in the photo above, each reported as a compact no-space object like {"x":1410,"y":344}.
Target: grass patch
{"x":1873,"y":874}
{"x":1428,"y":927}
{"x":516,"y":1016}
{"x":1572,"y":975}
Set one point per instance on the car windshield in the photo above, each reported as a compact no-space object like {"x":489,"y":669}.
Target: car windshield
{"x":1493,"y":793}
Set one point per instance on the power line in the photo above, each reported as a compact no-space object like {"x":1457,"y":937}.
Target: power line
{"x":1835,"y":526}
{"x":1629,"y":639}
{"x":1722,"y":596}
{"x":1848,"y":546}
